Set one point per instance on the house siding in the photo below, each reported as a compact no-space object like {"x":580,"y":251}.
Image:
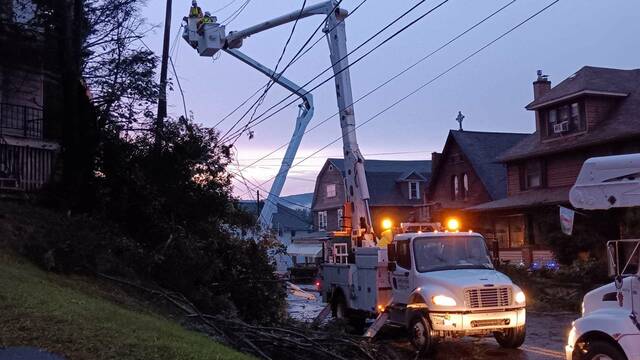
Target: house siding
{"x":597,"y":109}
{"x":454,"y":163}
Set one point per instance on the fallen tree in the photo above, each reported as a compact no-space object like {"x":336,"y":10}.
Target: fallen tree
{"x":288,"y":341}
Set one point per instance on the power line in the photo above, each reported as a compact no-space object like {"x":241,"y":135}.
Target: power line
{"x":226,"y":6}
{"x":389,"y":38}
{"x":340,"y":155}
{"x":430,"y":81}
{"x":184,"y":103}
{"x":236,"y":13}
{"x":296,"y":57}
{"x":275,"y":75}
{"x":269,"y":84}
{"x":424,"y":58}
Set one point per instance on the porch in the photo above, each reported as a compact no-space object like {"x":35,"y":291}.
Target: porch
{"x":26,"y":159}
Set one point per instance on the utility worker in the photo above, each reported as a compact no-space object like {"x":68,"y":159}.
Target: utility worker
{"x":206,"y":19}
{"x":195,"y":10}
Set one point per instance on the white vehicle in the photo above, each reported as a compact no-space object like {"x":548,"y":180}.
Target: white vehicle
{"x":435,"y":284}
{"x":609,"y":327}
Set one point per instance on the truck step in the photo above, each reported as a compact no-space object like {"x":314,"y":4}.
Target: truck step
{"x":377,"y":325}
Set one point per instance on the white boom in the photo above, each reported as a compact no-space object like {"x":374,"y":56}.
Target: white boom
{"x":213,"y":38}
{"x":607,"y":182}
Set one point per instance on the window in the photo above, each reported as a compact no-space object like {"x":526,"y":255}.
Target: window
{"x":510,"y":231}
{"x":414,"y":190}
{"x":331,"y":190}
{"x":340,"y":254}
{"x":340,"y":219}
{"x":465,"y":186}
{"x":455,"y":187}
{"x":322,"y":220}
{"x":403,"y":255}
{"x":532,"y":176}
{"x":563,"y":119}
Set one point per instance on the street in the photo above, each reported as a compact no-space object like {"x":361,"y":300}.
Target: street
{"x":546,"y":336}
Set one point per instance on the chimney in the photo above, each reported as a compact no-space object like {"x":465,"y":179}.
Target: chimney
{"x":541,"y":86}
{"x":435,"y":160}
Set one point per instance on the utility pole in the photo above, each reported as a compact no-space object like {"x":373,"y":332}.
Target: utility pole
{"x":258,"y":203}
{"x":162,"y":100}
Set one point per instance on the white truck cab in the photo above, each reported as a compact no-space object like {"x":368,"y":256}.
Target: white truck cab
{"x":609,"y":327}
{"x":435,"y":284}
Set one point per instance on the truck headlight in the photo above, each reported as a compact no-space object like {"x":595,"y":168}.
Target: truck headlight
{"x":442,"y":300}
{"x":520,"y":298}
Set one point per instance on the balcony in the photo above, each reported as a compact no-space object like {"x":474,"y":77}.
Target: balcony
{"x":21,"y":121}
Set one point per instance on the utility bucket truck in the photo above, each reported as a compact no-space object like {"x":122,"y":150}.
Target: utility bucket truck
{"x":436,"y":284}
{"x":609,"y":327}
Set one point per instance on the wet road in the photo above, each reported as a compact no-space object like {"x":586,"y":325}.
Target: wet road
{"x":546,"y":336}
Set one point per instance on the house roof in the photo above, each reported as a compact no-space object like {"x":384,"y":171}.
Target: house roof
{"x":285,"y":218}
{"x":383,"y":176}
{"x":622,"y":123}
{"x":482,"y":150}
{"x":527,"y":199}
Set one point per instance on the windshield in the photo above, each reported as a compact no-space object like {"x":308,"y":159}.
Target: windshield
{"x":450,"y":253}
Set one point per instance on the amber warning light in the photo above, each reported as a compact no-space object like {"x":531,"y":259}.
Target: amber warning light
{"x":453,"y":224}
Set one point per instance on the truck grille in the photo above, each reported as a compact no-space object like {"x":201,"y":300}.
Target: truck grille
{"x":488,"y":297}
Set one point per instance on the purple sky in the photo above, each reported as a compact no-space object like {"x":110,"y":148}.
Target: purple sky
{"x":491,"y":89}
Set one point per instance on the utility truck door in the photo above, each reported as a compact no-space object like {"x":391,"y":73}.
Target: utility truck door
{"x":401,"y":278}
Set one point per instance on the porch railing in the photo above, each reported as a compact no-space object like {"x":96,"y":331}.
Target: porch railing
{"x":21,"y":120}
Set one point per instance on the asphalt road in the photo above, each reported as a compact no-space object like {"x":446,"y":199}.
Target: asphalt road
{"x":546,"y":336}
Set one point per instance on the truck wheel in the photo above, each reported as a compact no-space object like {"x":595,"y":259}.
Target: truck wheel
{"x":420,"y":334}
{"x":511,"y":338}
{"x":600,"y":350}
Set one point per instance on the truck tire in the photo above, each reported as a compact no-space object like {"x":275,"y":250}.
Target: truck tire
{"x":511,"y":338}
{"x":420,"y":334}
{"x":601,"y":350}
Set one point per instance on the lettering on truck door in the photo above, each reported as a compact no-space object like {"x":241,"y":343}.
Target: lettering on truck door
{"x":401,"y":277}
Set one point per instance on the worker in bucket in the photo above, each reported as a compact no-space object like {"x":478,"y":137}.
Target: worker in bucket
{"x":206,"y":19}
{"x":195,"y":10}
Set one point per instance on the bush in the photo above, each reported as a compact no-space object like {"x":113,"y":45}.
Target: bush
{"x":168,"y":216}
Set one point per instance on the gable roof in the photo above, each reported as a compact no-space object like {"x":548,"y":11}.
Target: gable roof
{"x":623,"y":122}
{"x":482,"y":149}
{"x":284,"y":218}
{"x":383,"y":175}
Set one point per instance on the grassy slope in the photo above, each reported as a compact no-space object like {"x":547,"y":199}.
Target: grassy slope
{"x":72,"y":317}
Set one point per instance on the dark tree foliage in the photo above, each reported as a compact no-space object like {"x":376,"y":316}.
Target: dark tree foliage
{"x":174,"y":219}
{"x":178,"y":205}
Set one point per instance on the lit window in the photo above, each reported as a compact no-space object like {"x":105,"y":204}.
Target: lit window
{"x":414,"y":190}
{"x":322,"y":220}
{"x":340,"y":254}
{"x":331,"y":190}
{"x":465,"y":186}
{"x":455,"y":187}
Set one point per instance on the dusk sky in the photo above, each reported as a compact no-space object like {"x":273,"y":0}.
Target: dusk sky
{"x":491,"y":89}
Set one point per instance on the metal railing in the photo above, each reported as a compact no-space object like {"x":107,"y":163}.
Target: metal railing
{"x":21,"y":120}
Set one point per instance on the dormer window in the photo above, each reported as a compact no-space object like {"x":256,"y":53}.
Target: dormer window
{"x":563,"y":119}
{"x":414,"y":190}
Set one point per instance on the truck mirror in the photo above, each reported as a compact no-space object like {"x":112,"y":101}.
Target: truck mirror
{"x":391,"y":252}
{"x":391,"y":266}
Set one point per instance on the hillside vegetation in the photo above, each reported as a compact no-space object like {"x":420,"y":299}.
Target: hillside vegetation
{"x":81,"y":319}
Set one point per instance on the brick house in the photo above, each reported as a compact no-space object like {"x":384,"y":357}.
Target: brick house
{"x":594,"y":112}
{"x":466,"y":173}
{"x":396,"y":188}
